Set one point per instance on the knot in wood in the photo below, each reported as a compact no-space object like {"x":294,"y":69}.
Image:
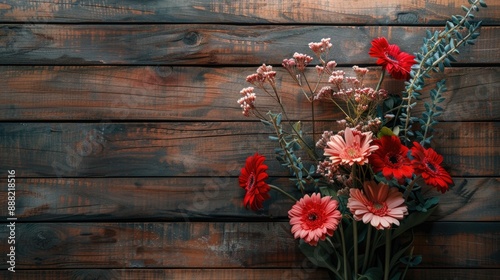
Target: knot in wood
{"x":44,"y":239}
{"x":407,"y":18}
{"x":191,"y":38}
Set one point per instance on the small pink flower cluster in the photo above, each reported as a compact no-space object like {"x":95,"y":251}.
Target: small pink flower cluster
{"x":321,"y":47}
{"x":263,"y":74}
{"x":247,"y":101}
{"x":298,"y":62}
{"x":328,"y":68}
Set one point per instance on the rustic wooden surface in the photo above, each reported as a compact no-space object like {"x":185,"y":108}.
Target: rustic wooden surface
{"x":120,"y":119}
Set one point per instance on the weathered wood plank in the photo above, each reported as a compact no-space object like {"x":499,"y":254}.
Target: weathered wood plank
{"x":431,"y":241}
{"x":190,"y":44}
{"x":254,"y":11}
{"x":202,"y":93}
{"x":227,"y":245}
{"x":196,"y":149}
{"x":452,"y":274}
{"x":171,"y":274}
{"x":234,"y":273}
{"x":201,"y":198}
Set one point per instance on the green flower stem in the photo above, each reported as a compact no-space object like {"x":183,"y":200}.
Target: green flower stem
{"x":310,"y":151}
{"x":344,"y":251}
{"x":406,"y":267}
{"x":387,"y":253}
{"x":374,"y":245}
{"x":367,"y":248}
{"x":333,"y":270}
{"x":355,"y":235}
{"x":409,"y":188}
{"x":283,"y":192}
{"x":380,"y":80}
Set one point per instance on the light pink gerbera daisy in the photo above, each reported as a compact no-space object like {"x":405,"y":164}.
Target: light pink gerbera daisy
{"x":379,"y":205}
{"x":355,"y":148}
{"x":314,"y":217}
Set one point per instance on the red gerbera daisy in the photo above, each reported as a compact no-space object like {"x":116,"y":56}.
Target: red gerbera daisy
{"x":391,"y":158}
{"x":314,"y":217}
{"x":392,"y":59}
{"x":428,"y":163}
{"x":251,"y":179}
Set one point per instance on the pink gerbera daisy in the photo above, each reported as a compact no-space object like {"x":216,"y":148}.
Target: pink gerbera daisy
{"x":379,"y":205}
{"x":355,"y":148}
{"x":314,"y":217}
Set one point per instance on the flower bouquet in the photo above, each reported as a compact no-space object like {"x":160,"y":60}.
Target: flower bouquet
{"x":361,"y":186}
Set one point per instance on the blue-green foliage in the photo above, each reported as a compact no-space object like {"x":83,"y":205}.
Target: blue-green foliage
{"x":437,"y":52}
{"x":289,"y":144}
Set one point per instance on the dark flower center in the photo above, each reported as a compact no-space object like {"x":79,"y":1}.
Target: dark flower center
{"x":394,"y":159}
{"x":389,"y":56}
{"x":431,"y":166}
{"x":251,"y":181}
{"x":379,"y":209}
{"x":312,"y":217}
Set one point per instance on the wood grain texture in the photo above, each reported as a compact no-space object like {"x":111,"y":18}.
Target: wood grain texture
{"x":254,"y":11}
{"x":120,"y":118}
{"x":227,"y":245}
{"x":173,"y":274}
{"x":202,"y":199}
{"x":196,"y":149}
{"x":230,"y":274}
{"x":196,"y":44}
{"x":103,"y":93}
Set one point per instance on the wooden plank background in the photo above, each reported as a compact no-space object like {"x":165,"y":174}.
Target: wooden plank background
{"x":120,"y":119}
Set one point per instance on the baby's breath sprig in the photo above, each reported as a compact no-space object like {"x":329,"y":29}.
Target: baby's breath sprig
{"x":435,"y":54}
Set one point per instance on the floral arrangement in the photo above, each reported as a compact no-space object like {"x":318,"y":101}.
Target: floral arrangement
{"x":361,"y":186}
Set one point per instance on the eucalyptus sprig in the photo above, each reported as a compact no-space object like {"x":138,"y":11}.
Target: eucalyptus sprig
{"x":285,"y":154}
{"x":432,"y":110}
{"x":435,"y":54}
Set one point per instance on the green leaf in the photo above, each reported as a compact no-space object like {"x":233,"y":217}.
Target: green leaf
{"x":399,"y":254}
{"x":278,"y":119}
{"x":266,"y":123}
{"x":414,"y":219}
{"x":326,"y":191}
{"x":297,"y":126}
{"x":396,"y":276}
{"x":441,"y":66}
{"x":428,"y":33}
{"x":319,"y":255}
{"x":373,"y":273}
{"x":431,"y":202}
{"x":411,"y":262}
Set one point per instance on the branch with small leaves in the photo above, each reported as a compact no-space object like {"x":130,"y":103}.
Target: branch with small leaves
{"x":436,"y":54}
